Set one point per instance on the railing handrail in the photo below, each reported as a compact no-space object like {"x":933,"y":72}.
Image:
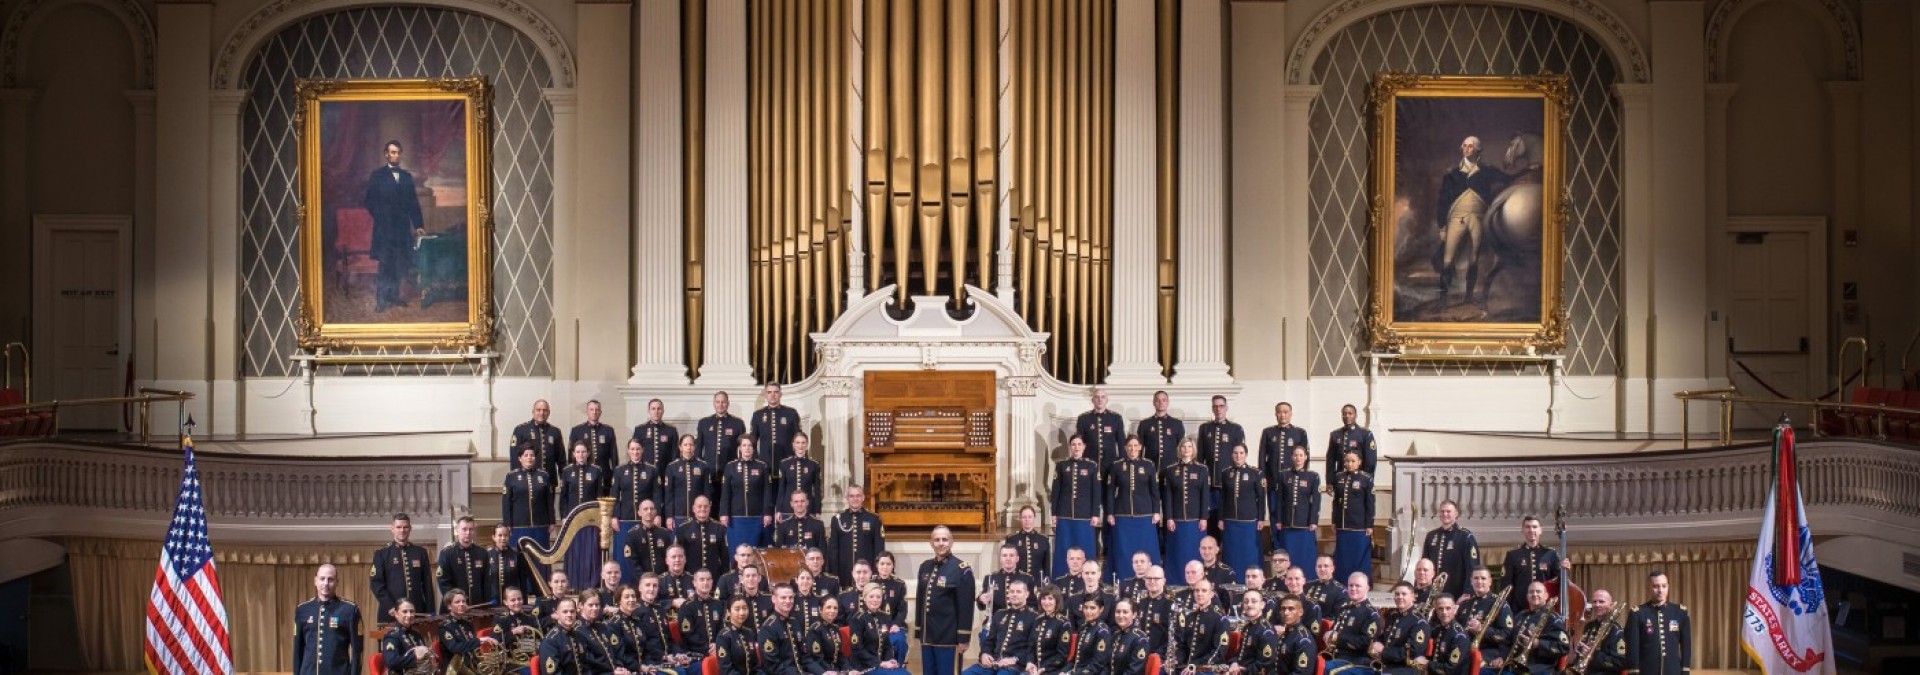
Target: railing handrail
{"x":1727,"y":397}
{"x":144,"y":401}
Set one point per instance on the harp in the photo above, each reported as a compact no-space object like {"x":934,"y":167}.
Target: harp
{"x":584,"y":544}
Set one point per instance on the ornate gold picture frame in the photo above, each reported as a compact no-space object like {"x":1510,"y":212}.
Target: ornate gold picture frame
{"x":1469,"y":207}
{"x":396,"y":233}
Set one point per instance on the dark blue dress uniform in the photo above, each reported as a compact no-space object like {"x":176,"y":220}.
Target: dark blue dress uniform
{"x":1103,"y":432}
{"x":1036,"y":554}
{"x":822,"y":651}
{"x":1076,"y":500}
{"x":1544,"y":657}
{"x":657,"y":444}
{"x":458,"y":638}
{"x":613,"y":644}
{"x":401,"y":573}
{"x":1195,"y":639}
{"x":1454,"y":551}
{"x":1660,"y":639}
{"x":1092,"y":651}
{"x":645,"y":548}
{"x":1052,"y":638}
{"x":705,"y":542}
{"x":550,"y":449}
{"x":600,"y":440}
{"x":676,"y":585}
{"x":1133,"y":499}
{"x":1243,"y":506}
{"x":779,"y":651}
{"x":634,"y":483}
{"x":1260,"y":648}
{"x":738,"y":651}
{"x":645,"y":630}
{"x":1130,"y":648}
{"x":803,"y":532}
{"x":526,"y":498}
{"x":1160,"y":438}
{"x":397,"y":648}
{"x":1354,"y":630}
{"x":506,"y":570}
{"x":795,"y":474}
{"x":579,"y":484}
{"x":572,"y":652}
{"x":745,"y":497}
{"x":773,"y":429}
{"x":1608,"y":643}
{"x":1497,"y":620}
{"x":1276,"y":449}
{"x":997,"y":592}
{"x":686,"y":481}
{"x":1009,"y":634}
{"x":701,"y":621}
{"x":1355,"y":439}
{"x":1451,"y":655}
{"x":943,"y":613}
{"x":1297,"y":652}
{"x":853,"y":536}
{"x":1186,"y":497}
{"x":1296,"y":496}
{"x":1214,"y":446}
{"x":1329,"y":595}
{"x":465,"y":568}
{"x":1525,"y":565}
{"x":326,"y":637}
{"x":1405,"y":639}
{"x":1352,"y":523}
{"x":717,"y":436}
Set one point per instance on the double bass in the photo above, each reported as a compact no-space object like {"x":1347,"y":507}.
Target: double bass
{"x":1562,"y":589}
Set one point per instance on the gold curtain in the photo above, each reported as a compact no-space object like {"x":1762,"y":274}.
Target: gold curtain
{"x":261,"y":585}
{"x":1062,"y":187}
{"x":1709,"y":578}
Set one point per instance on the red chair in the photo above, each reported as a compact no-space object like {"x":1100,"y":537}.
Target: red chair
{"x":1860,"y":423}
{"x":1233,"y":646}
{"x":1320,"y":665}
{"x":1904,"y":424}
{"x":1153,"y":664}
{"x":846,"y":642}
{"x":708,"y":666}
{"x":533,"y":664}
{"x":353,"y":241}
{"x":377,"y":664}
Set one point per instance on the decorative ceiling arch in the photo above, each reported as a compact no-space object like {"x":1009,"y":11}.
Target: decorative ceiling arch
{"x":29,"y":13}
{"x":1589,"y":15}
{"x":274,"y":16}
{"x":1841,"y":26}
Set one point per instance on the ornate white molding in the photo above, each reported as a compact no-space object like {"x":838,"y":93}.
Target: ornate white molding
{"x":273,"y":16}
{"x":1595,"y":18}
{"x":27,"y":15}
{"x":1841,"y":26}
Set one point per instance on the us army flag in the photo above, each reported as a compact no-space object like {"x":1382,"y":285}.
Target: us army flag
{"x":1786,"y":630}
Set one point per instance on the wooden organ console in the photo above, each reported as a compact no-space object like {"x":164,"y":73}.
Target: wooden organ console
{"x":930,"y":448}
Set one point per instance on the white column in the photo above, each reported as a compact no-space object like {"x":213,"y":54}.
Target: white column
{"x":16,"y":211}
{"x":566,"y":113}
{"x":1135,"y":331}
{"x":837,"y":442}
{"x":223,"y":260}
{"x":1636,"y":268}
{"x":1679,"y":210}
{"x":856,"y":155}
{"x":182,"y":244}
{"x":1023,"y":418}
{"x":659,"y":189}
{"x":143,"y":181}
{"x":1202,"y":358}
{"x":1718,"y":94}
{"x":603,"y":227}
{"x":724,"y":356}
{"x":1260,"y":194}
{"x":1296,"y":276}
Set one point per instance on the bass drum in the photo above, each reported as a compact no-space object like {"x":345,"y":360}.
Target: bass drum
{"x":782,"y":564}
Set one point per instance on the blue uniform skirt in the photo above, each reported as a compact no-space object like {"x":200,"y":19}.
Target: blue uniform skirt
{"x":1352,"y":552}
{"x":1132,"y":534}
{"x":1240,"y":546}
{"x":1070,"y":533}
{"x":1183,"y":546}
{"x":744,"y":530}
{"x":1300,"y":547}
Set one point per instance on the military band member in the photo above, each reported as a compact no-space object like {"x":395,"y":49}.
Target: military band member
{"x":1350,"y":437}
{"x":1532,"y":561}
{"x":1259,"y":642}
{"x":1216,"y":570}
{"x":644,"y":548}
{"x":634,"y":482}
{"x":646,"y":625}
{"x":326,"y":630}
{"x":686,"y":480}
{"x":1133,"y":509}
{"x":704,"y":539}
{"x":400,"y":647}
{"x":1136,"y":586}
{"x":1486,"y":617}
{"x":602,"y":637}
{"x":815,"y":561}
{"x":1155,"y":614}
{"x":1091,"y":655}
{"x":1297,"y":494}
{"x":1217,"y":439}
{"x":853,"y":593}
{"x":1075,"y":502}
{"x":943,"y":606}
{"x":609,"y":588}
{"x":568,"y":647}
{"x":855,"y":534}
{"x":1036,"y":552}
{"x":1244,"y":511}
{"x":401,"y":571}
{"x":1451,"y":644}
{"x":760,"y":600}
{"x":457,"y":635}
{"x":1278,"y":441}
{"x":1452,"y":549}
{"x":1354,"y":628}
{"x":558,"y":588}
{"x":1352,"y":491}
{"x":1069,"y":581}
{"x":804,"y":531}
{"x":797,"y":473}
{"x":1294,"y":581}
{"x":1052,"y":635}
{"x":702,"y":616}
{"x":884,"y":567}
{"x":879,"y":644}
{"x":463,"y":564}
{"x":676,"y":584}
{"x":505,"y":569}
{"x":824,"y":645}
{"x":1297,"y":650}
{"x":1161,"y":432}
{"x":807,"y":600}
{"x":746,"y":498}
{"x":1325,"y":590}
{"x":1550,"y":642}
{"x":773,"y":426}
{"x":737,"y":648}
{"x":1278,"y":562}
{"x":1092,"y":588}
{"x":658,"y":440}
{"x":1659,"y":633}
{"x":745,"y":558}
{"x":1196,"y":639}
{"x":518,"y":622}
{"x":600,"y":439}
{"x":1005,"y":640}
{"x":1423,"y":586}
{"x":1130,"y":644}
{"x":581,"y":482}
{"x":1102,"y":430}
{"x":781,"y":635}
{"x":1603,"y":644}
{"x":719,"y":433}
{"x":994,"y":597}
{"x":526,"y":497}
{"x":1256,"y":580}
{"x":1402,"y":644}
{"x":1186,"y":496}
{"x":546,"y":440}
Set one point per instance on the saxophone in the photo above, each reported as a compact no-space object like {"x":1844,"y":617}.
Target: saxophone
{"x":1524,"y":643}
{"x":1592,"y":642}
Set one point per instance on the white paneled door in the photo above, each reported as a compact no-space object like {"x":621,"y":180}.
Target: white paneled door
{"x":82,"y":312}
{"x":1776,"y":328}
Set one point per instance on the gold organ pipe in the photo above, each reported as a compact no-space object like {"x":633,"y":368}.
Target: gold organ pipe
{"x":1102,"y":189}
{"x":789,"y":184}
{"x":759,"y":103}
{"x":1056,"y":162}
{"x":693,"y":107}
{"x":800,"y":318}
{"x":900,"y":116}
{"x":1166,"y":180}
{"x":930,"y":189}
{"x":1023,"y":174}
{"x":815,"y":251}
{"x":874,"y":135}
{"x":986,"y":132}
{"x":1072,"y":190}
{"x":958,"y":108}
{"x":836,"y":88}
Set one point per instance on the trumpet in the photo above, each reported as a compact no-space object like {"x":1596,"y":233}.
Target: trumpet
{"x":1591,"y":643}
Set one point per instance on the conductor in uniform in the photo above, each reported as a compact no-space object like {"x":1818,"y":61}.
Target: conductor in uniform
{"x":1350,"y":437}
{"x":1659,"y":633}
{"x":855,"y":534}
{"x":327,"y":639}
{"x":943,"y":607}
{"x":549,"y":448}
{"x":774,"y":426}
{"x":401,"y":571}
{"x":1161,"y":432}
{"x":599,"y":438}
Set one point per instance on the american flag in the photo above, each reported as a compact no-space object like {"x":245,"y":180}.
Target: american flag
{"x":186,"y":620}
